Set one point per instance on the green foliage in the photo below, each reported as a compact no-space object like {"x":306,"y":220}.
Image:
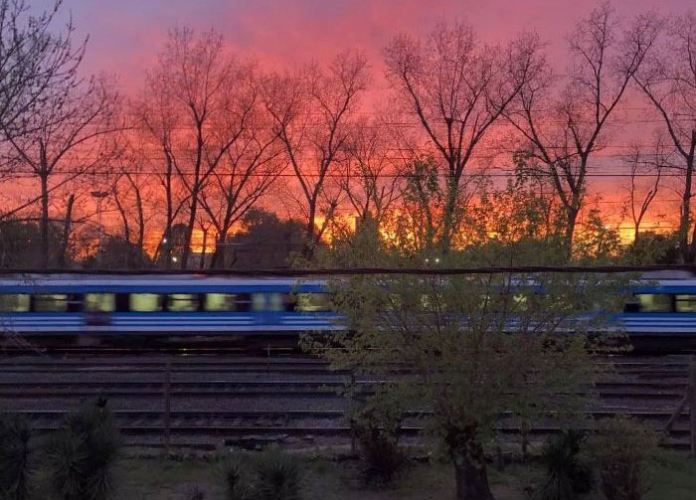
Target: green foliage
{"x":596,"y":241}
{"x":651,"y":248}
{"x":279,"y":476}
{"x":15,"y":458}
{"x":481,"y":347}
{"x":568,"y":473}
{"x":81,"y":455}
{"x":273,"y":475}
{"x":377,"y":429}
{"x":622,"y":449}
{"x":238,"y":480}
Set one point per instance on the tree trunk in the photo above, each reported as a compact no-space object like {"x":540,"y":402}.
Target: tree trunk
{"x":44,"y":221}
{"x":217,"y":260}
{"x":572,"y":214}
{"x":472,"y":478}
{"x":141,"y":228}
{"x":448,"y":223}
{"x":66,"y":231}
{"x":203,"y":249}
{"x":684,"y":221}
{"x":310,"y":231}
{"x":189,"y":229}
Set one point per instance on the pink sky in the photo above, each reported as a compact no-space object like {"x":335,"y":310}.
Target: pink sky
{"x":125,"y":35}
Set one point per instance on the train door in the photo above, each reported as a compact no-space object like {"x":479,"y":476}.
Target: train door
{"x":98,"y":308}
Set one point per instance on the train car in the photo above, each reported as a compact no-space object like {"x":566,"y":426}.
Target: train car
{"x":185,"y":305}
{"x":661,"y":308}
{"x":161,"y":305}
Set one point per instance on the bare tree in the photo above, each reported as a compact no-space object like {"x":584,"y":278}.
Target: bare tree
{"x":208,"y":91}
{"x":248,"y":167}
{"x":68,"y":138}
{"x":457,"y":89}
{"x":313,"y":111}
{"x":156,"y":121}
{"x":131,"y":192}
{"x":645,"y":180}
{"x":35,"y":63}
{"x":669,"y":83}
{"x":564,"y":121}
{"x":369,"y":176}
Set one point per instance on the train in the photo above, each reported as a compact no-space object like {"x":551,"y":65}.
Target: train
{"x":199,"y":305}
{"x":162,"y":305}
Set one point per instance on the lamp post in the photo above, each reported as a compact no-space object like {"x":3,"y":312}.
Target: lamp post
{"x":99,"y":196}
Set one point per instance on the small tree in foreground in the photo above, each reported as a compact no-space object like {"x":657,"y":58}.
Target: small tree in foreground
{"x":82,"y":453}
{"x":15,"y":458}
{"x":621,"y":450}
{"x":483,"y":350}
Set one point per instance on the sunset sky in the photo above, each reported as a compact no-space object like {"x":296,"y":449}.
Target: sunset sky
{"x":126,"y":35}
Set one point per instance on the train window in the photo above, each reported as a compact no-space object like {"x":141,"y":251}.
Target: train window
{"x":99,"y":302}
{"x":56,"y":302}
{"x":14,"y":302}
{"x":145,"y":302}
{"x":258,"y":302}
{"x":182,"y":302}
{"x":275,"y":302}
{"x":655,"y":302}
{"x":685,"y":303}
{"x":220,"y":302}
{"x":313,"y":302}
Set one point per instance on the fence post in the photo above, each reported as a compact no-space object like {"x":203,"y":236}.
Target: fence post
{"x":353,"y":444}
{"x":167,"y":408}
{"x":692,"y":404}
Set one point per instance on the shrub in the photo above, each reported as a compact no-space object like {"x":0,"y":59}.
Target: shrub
{"x":196,"y":493}
{"x":567,"y":472}
{"x":239,"y":480}
{"x":273,"y":475}
{"x":80,"y":456}
{"x":278,"y":476}
{"x":379,"y":447}
{"x":15,"y":458}
{"x":622,"y":449}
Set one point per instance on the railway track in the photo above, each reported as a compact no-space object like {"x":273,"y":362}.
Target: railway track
{"x":250,"y":401}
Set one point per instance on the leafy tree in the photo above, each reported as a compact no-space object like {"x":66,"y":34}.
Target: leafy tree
{"x":483,"y":350}
{"x":118,"y":253}
{"x":264,"y":242}
{"x":597,"y":241}
{"x":653,"y":248}
{"x":20,"y":244}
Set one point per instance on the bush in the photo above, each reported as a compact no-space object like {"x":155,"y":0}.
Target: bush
{"x":379,"y":447}
{"x":622,"y":449}
{"x":273,"y":475}
{"x":239,"y":480}
{"x":567,"y":472}
{"x":279,"y":476}
{"x":15,"y":458}
{"x":80,"y":456}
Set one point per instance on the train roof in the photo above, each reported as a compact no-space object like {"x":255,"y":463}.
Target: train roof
{"x":163,"y":282}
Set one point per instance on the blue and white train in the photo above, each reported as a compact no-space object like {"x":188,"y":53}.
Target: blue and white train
{"x":162,"y":305}
{"x":175,"y":305}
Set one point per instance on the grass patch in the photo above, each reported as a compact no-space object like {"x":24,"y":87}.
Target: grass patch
{"x":673,"y":477}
